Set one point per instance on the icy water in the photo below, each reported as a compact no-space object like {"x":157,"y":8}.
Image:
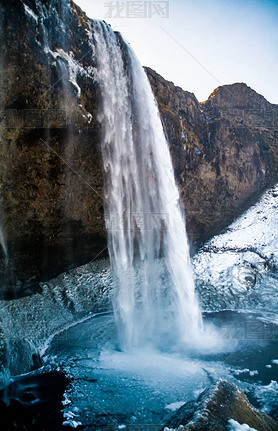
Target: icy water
{"x":112,"y":388}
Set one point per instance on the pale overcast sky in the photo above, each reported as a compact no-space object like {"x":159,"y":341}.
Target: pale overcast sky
{"x":201,"y":44}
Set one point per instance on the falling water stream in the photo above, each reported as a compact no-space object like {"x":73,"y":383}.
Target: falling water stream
{"x":154,"y":300}
{"x":3,"y":245}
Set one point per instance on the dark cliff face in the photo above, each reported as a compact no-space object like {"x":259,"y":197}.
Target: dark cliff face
{"x":224,"y":150}
{"x":51,"y":169}
{"x":51,"y":206}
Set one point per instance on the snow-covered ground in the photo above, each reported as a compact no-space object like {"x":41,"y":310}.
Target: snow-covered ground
{"x":239,"y":268}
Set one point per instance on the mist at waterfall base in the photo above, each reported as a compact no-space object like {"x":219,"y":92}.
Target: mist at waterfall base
{"x":155,"y":305}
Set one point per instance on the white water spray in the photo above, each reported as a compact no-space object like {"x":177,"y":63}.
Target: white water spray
{"x":154,"y":301}
{"x":4,"y":246}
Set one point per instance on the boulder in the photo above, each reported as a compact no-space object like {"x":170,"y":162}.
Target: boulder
{"x":34,"y":402}
{"x":215,"y":407}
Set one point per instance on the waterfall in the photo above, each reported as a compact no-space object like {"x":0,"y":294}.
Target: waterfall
{"x":154,"y":300}
{"x":3,"y":245}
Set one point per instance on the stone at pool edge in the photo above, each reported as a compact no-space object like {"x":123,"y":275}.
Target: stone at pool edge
{"x":215,"y":406}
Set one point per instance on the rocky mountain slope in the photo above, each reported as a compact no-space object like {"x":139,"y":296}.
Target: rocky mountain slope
{"x":238,"y":269}
{"x":224,"y":150}
{"x":51,"y":204}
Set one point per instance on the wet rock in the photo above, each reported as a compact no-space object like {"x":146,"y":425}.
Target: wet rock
{"x":33,"y":402}
{"x":17,"y":356}
{"x":51,"y":172}
{"x":215,"y":407}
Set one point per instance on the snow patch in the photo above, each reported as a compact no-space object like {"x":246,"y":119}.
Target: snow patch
{"x":29,"y":12}
{"x":174,"y":406}
{"x":235,"y":426}
{"x":180,"y":428}
{"x":245,"y":370}
{"x":66,"y":400}
{"x":73,"y":68}
{"x":71,"y":419}
{"x":69,"y":415}
{"x":72,"y":424}
{"x":267,"y":396}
